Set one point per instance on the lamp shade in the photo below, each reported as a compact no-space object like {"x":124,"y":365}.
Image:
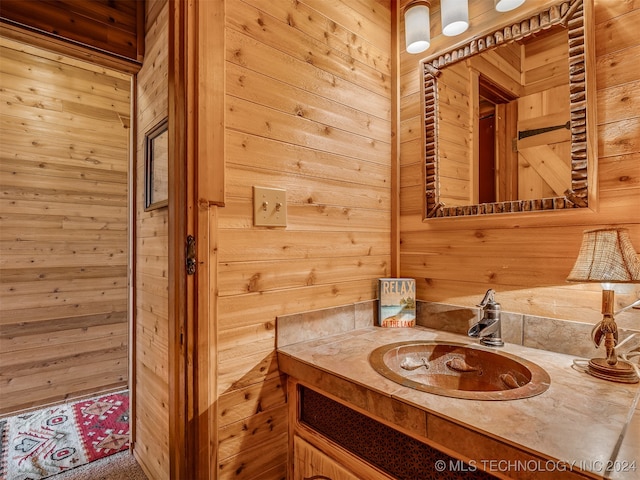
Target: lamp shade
{"x":417,"y":27}
{"x":507,"y":5}
{"x":455,"y":16}
{"x":606,"y":256}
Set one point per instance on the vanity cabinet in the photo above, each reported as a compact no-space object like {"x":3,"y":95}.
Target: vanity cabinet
{"x":330,"y":439}
{"x":339,"y":429}
{"x":378,"y":429}
{"x":309,"y":462}
{"x":314,"y":455}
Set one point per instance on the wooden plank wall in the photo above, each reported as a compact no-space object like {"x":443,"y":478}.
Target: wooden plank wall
{"x":308,"y":105}
{"x":526,"y":257}
{"x":64,"y":154}
{"x":151,"y":258}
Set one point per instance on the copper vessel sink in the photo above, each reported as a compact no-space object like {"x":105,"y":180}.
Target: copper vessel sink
{"x":459,"y":370}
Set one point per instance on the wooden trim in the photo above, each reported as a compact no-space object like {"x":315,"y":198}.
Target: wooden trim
{"x":591,"y":129}
{"x":395,"y":140}
{"x":133,"y":177}
{"x":191,"y":297}
{"x":432,"y":205}
{"x":210,"y":92}
{"x":206,"y":72}
{"x":205,"y":375}
{"x":292,"y":417}
{"x":181,"y":458}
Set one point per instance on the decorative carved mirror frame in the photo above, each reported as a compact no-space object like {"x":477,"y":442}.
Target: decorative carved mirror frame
{"x":571,"y":14}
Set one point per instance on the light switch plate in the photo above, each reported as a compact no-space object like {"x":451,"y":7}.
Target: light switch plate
{"x":269,"y":207}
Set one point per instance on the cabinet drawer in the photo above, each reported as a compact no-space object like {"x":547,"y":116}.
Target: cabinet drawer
{"x":310,"y":463}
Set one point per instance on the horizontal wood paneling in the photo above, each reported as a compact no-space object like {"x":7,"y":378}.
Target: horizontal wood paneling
{"x":307,"y":109}
{"x":245,"y":402}
{"x":254,"y":464}
{"x":526,"y":257}
{"x":63,"y":227}
{"x":262,"y":427}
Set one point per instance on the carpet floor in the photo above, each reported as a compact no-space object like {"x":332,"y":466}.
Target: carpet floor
{"x":36,"y":445}
{"x":119,"y":466}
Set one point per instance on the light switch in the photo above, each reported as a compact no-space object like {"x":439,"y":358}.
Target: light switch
{"x":269,"y":207}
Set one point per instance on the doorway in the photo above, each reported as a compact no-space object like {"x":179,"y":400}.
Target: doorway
{"x":65,"y":154}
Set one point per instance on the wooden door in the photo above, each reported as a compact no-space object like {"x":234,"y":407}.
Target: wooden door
{"x":196,"y":76}
{"x":486,"y":167}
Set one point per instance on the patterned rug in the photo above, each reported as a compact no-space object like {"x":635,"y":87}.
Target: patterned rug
{"x":45,"y":442}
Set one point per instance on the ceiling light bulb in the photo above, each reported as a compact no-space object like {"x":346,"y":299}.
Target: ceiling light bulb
{"x":508,"y":5}
{"x":455,"y":16}
{"x":417,"y":27}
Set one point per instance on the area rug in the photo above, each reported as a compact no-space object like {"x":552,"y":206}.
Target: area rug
{"x":45,"y":442}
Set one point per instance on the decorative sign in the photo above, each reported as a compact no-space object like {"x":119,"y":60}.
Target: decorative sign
{"x":397,"y":302}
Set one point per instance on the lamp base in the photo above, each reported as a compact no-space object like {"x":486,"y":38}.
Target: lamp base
{"x":621,"y":372}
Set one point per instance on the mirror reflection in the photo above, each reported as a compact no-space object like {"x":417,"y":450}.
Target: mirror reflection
{"x":504,"y":123}
{"x":510,"y":134}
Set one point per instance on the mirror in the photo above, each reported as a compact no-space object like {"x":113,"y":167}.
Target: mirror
{"x":506,"y":119}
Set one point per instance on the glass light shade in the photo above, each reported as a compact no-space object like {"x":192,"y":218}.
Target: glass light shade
{"x":455,"y":16}
{"x":507,"y":5}
{"x":417,"y":27}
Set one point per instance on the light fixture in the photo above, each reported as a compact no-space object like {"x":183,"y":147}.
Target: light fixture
{"x":607,"y":256}
{"x":507,"y":5}
{"x":455,"y":16}
{"x":455,"y":20}
{"x":417,"y":26}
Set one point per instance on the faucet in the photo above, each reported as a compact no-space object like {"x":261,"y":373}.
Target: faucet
{"x":488,"y":329}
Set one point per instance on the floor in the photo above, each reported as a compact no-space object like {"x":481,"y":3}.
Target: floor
{"x":121,"y":466}
{"x":73,"y":437}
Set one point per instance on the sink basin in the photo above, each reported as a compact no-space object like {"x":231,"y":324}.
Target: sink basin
{"x":459,"y":370}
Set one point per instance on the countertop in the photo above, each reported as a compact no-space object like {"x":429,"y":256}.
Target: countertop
{"x":585,"y":422}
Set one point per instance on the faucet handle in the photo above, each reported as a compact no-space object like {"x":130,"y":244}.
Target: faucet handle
{"x":488,"y":298}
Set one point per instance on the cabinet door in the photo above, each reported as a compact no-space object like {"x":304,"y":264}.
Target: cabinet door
{"x":309,"y":463}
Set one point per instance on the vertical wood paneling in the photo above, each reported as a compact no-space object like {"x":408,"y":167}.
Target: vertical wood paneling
{"x":526,"y":257}
{"x":308,"y":109}
{"x":64,"y":154}
{"x":152,"y":298}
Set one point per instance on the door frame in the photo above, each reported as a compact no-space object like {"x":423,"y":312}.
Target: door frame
{"x":180,"y":286}
{"x":192,"y":212}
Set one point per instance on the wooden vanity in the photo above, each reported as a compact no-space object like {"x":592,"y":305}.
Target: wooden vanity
{"x":348,"y":422}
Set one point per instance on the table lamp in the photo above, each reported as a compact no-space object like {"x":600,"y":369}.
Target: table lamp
{"x":607,"y":257}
